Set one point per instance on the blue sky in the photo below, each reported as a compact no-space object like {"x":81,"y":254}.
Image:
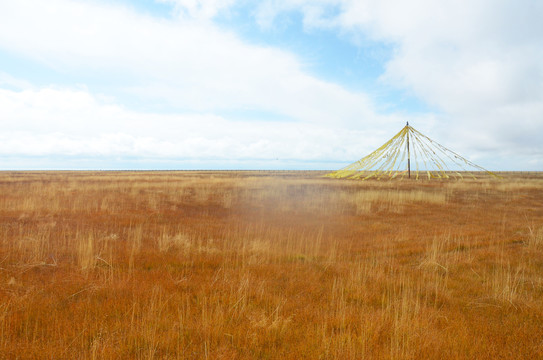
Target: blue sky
{"x":274,"y":84}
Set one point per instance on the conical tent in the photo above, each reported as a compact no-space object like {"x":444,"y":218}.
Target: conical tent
{"x":410,"y":154}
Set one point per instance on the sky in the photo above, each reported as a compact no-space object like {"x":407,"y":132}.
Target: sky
{"x":270,"y":84}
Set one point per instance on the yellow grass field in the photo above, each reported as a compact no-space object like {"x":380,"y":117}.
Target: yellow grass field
{"x":269,"y":265}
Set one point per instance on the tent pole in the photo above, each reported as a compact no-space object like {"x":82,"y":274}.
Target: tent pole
{"x":408,"y":154}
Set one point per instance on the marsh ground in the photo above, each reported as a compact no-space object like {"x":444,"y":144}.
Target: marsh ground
{"x":269,"y":265}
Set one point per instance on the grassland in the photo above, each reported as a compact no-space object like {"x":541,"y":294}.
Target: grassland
{"x":261,"y":265}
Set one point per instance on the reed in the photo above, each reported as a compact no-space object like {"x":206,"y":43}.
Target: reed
{"x":244,"y":265}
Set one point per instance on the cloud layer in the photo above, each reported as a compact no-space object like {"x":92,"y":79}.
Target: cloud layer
{"x":73,"y":123}
{"x":478,"y":62}
{"x":188,"y":86}
{"x":187,"y":64}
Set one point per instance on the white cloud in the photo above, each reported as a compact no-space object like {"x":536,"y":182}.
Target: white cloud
{"x":55,"y":122}
{"x":190,"y":64}
{"x":6,"y":80}
{"x":64,"y":122}
{"x":478,"y":62}
{"x":454,"y":54}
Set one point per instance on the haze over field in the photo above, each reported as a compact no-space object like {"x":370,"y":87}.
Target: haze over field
{"x":274,"y":84}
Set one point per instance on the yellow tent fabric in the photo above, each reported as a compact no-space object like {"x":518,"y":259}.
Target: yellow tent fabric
{"x":411,"y":154}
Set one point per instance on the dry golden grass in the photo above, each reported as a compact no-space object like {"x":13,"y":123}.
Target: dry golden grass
{"x":269,"y":265}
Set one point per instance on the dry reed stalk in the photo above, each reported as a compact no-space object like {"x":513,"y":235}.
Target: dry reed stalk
{"x":253,"y":265}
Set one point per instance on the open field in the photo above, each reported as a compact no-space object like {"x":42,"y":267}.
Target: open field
{"x":264,"y":265}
